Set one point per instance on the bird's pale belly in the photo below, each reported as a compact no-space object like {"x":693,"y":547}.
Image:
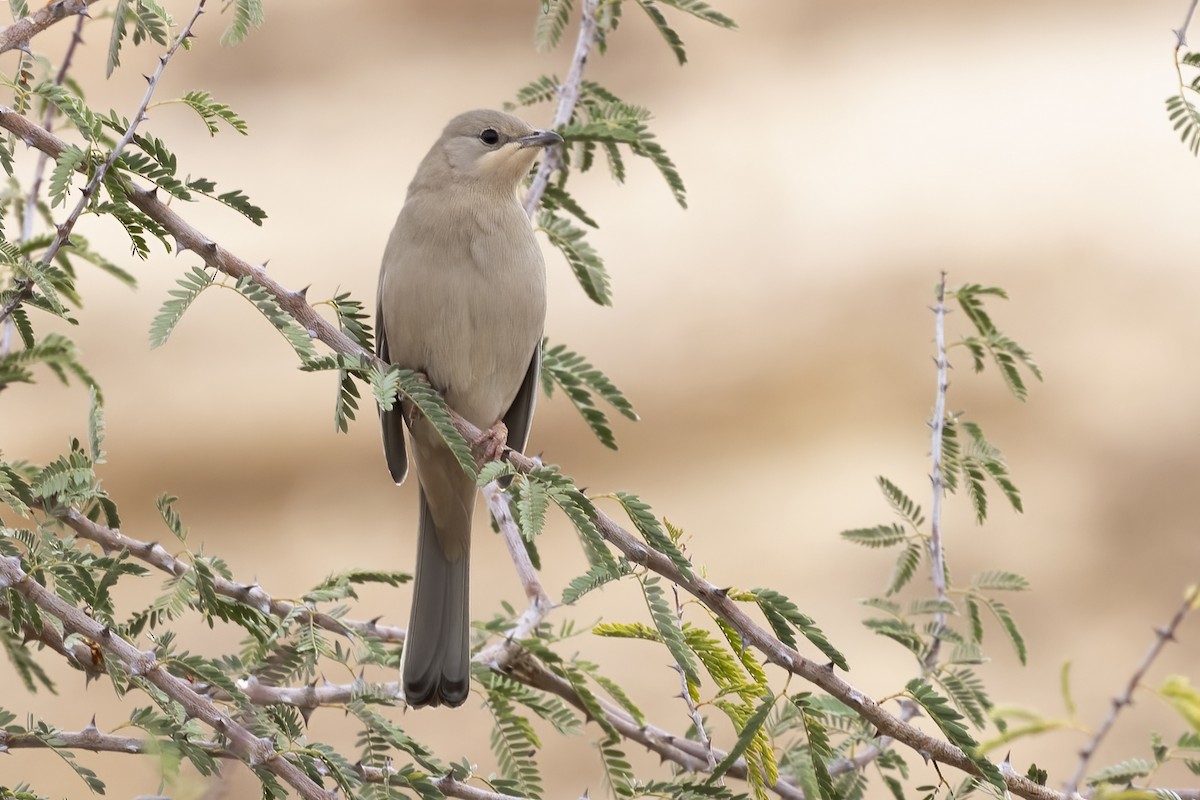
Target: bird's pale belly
{"x":474,"y":346}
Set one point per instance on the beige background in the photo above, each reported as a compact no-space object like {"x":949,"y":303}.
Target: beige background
{"x":775,"y":337}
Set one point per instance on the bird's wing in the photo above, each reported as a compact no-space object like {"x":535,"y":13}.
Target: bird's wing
{"x":519,"y":417}
{"x":392,"y":421}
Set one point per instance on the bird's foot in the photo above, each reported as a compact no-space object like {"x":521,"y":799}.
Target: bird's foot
{"x":490,"y":446}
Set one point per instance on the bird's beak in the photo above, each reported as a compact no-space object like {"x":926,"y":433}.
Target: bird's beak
{"x":539,"y":139}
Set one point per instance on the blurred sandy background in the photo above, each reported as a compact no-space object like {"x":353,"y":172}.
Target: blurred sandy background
{"x":775,"y":337}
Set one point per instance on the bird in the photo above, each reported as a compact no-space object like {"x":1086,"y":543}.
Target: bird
{"x":462,"y":299}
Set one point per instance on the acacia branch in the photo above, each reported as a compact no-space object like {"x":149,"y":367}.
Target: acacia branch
{"x":17,"y":35}
{"x":145,"y":666}
{"x":62,"y":232}
{"x":1161,"y":636}
{"x":568,"y":96}
{"x":78,"y":654}
{"x":152,"y":553}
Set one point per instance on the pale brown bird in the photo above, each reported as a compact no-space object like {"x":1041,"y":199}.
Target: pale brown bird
{"x":462,"y":298}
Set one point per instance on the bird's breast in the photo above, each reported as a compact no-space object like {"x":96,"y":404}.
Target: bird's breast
{"x":464,"y":300}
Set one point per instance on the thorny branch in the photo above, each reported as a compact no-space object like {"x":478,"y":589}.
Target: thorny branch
{"x":17,"y":35}
{"x":936,"y":477}
{"x":1191,"y":602}
{"x":568,"y":96}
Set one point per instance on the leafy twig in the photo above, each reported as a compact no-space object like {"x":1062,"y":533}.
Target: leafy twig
{"x":686,"y":694}
{"x":1162,"y":635}
{"x":568,"y":96}
{"x":63,"y":231}
{"x":251,"y":594}
{"x":35,"y":185}
{"x":938,"y":427}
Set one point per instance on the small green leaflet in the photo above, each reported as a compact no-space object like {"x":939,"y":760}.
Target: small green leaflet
{"x":784,"y":616}
{"x":648,"y":526}
{"x":949,"y":722}
{"x":745,"y":738}
{"x":667,"y":625}
{"x":190,"y":287}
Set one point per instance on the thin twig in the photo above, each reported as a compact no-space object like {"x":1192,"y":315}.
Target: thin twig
{"x":63,"y":231}
{"x":686,"y":694}
{"x":152,"y":553}
{"x":17,"y":35}
{"x":568,"y":96}
{"x":35,"y":185}
{"x":499,"y":655}
{"x":1161,"y":637}
{"x":936,"y":478}
{"x":35,"y":188}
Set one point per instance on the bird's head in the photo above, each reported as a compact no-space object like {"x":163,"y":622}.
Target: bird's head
{"x":491,"y":147}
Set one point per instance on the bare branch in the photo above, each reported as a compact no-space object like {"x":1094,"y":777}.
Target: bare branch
{"x":17,"y":35}
{"x":1191,"y":601}
{"x":568,"y":96}
{"x":251,"y":594}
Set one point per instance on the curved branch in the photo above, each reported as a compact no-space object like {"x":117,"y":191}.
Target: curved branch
{"x":1163,"y":635}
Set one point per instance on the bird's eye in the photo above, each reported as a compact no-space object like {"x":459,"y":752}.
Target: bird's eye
{"x":489,"y":136}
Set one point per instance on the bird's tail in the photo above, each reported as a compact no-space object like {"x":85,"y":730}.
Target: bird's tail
{"x":436,"y":651}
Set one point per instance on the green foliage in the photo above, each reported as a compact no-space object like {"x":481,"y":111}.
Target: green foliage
{"x":1181,"y":107}
{"x":970,"y":467}
{"x":296,"y":336}
{"x":1007,"y":355}
{"x":172,"y":310}
{"x":949,"y":722}
{"x":515,"y":743}
{"x":212,"y":113}
{"x":551,"y":23}
{"x":668,"y":627}
{"x":784,"y":618}
{"x":647,"y":525}
{"x":247,"y":14}
{"x":583,"y":259}
{"x":582,"y":383}
{"x":72,"y":159}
